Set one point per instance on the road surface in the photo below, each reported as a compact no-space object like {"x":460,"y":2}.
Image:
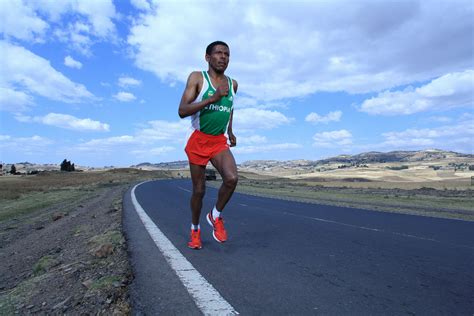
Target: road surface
{"x":285,"y":257}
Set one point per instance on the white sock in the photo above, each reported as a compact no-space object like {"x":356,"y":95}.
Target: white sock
{"x":195,"y":227}
{"x":215,"y":213}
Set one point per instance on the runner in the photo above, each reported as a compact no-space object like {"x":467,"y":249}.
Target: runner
{"x":208,"y":98}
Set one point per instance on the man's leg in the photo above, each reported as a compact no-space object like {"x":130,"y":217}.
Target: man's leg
{"x":224,"y":162}
{"x":198,"y":177}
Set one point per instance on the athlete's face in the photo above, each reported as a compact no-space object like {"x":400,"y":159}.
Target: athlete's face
{"x":219,"y":58}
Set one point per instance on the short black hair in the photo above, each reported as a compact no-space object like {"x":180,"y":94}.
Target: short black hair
{"x":210,"y":47}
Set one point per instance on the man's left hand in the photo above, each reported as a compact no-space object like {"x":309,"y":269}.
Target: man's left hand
{"x":233,"y":140}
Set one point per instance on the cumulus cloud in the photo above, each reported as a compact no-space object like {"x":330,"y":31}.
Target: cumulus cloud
{"x":20,"y":21}
{"x":330,"y":117}
{"x":141,"y":4}
{"x":125,"y":96}
{"x":438,"y":136}
{"x":457,"y":136}
{"x":25,"y":74}
{"x":25,"y":145}
{"x":160,"y":130}
{"x":71,"y":62}
{"x":450,"y":90}
{"x":253,"y":139}
{"x":154,"y":134}
{"x":254,"y":119}
{"x":14,"y":101}
{"x":66,"y":121}
{"x":333,"y":138}
{"x":128,"y":81}
{"x":84,"y":21}
{"x":352,"y":46}
{"x":107,"y":144}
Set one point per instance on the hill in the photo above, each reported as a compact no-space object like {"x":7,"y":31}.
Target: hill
{"x":181,"y":164}
{"x":430,"y":155}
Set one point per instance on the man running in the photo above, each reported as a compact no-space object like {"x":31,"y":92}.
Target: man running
{"x":208,"y":98}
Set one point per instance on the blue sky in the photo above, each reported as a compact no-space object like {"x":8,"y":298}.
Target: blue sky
{"x":99,"y":82}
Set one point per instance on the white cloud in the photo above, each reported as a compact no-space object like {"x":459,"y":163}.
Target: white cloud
{"x":100,"y":15}
{"x":330,"y":117}
{"x":107,"y":143}
{"x":430,"y":136}
{"x":155,"y":134}
{"x":14,"y":101}
{"x":33,"y":145}
{"x":157,"y":151}
{"x":165,"y":131}
{"x":458,"y":136}
{"x":352,"y":46}
{"x":20,"y":21}
{"x":125,"y":96}
{"x":450,"y":90}
{"x":265,"y":148}
{"x":25,"y":74}
{"x":71,"y":62}
{"x":333,"y":138}
{"x":78,"y":23}
{"x":141,"y":5}
{"x":253,"y":139}
{"x":66,"y":121}
{"x":254,"y":119}
{"x":97,"y":15}
{"x":128,"y":81}
{"x":440,"y":119}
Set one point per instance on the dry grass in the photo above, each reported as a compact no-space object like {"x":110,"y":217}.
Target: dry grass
{"x":23,"y":194}
{"x":447,"y":199}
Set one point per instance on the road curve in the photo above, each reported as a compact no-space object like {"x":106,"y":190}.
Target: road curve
{"x":285,"y":257}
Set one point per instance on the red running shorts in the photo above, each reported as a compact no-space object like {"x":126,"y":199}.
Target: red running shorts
{"x":202,"y":147}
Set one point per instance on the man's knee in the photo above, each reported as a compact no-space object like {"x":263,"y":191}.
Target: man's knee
{"x":199,"y":191}
{"x":231,"y":180}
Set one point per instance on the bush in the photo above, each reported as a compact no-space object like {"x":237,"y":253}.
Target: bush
{"x":398,"y":167}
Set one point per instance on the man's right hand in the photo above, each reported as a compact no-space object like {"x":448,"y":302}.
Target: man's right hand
{"x":221,"y":91}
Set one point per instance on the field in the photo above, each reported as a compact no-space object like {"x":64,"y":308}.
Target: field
{"x":418,"y":190}
{"x":61,"y":243}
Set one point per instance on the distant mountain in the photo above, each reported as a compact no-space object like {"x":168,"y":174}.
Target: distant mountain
{"x":395,"y":156}
{"x":359,"y":159}
{"x":181,"y":164}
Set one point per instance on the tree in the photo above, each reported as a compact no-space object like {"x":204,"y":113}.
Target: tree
{"x":13,"y":169}
{"x":64,"y":165}
{"x":67,"y":166}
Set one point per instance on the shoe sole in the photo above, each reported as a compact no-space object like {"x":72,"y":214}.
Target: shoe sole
{"x":213,"y":233}
{"x":197,"y":248}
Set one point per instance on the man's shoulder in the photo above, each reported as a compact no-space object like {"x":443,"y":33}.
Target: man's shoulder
{"x":195,"y":77}
{"x":195,"y":74}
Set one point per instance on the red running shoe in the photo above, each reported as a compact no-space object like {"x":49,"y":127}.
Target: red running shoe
{"x":195,"y":242}
{"x":219,"y":232}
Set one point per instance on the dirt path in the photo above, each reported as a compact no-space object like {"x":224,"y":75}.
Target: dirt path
{"x":70,"y":258}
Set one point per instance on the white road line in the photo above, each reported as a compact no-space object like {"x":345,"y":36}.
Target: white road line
{"x":207,"y":298}
{"x":334,"y":222}
{"x":376,"y":230}
{"x":184,"y":189}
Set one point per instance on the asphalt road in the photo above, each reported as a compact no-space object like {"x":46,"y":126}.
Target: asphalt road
{"x":293,"y":258}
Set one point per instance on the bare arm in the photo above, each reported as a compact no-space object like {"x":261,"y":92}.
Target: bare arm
{"x":232,"y":138}
{"x":186,"y":106}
